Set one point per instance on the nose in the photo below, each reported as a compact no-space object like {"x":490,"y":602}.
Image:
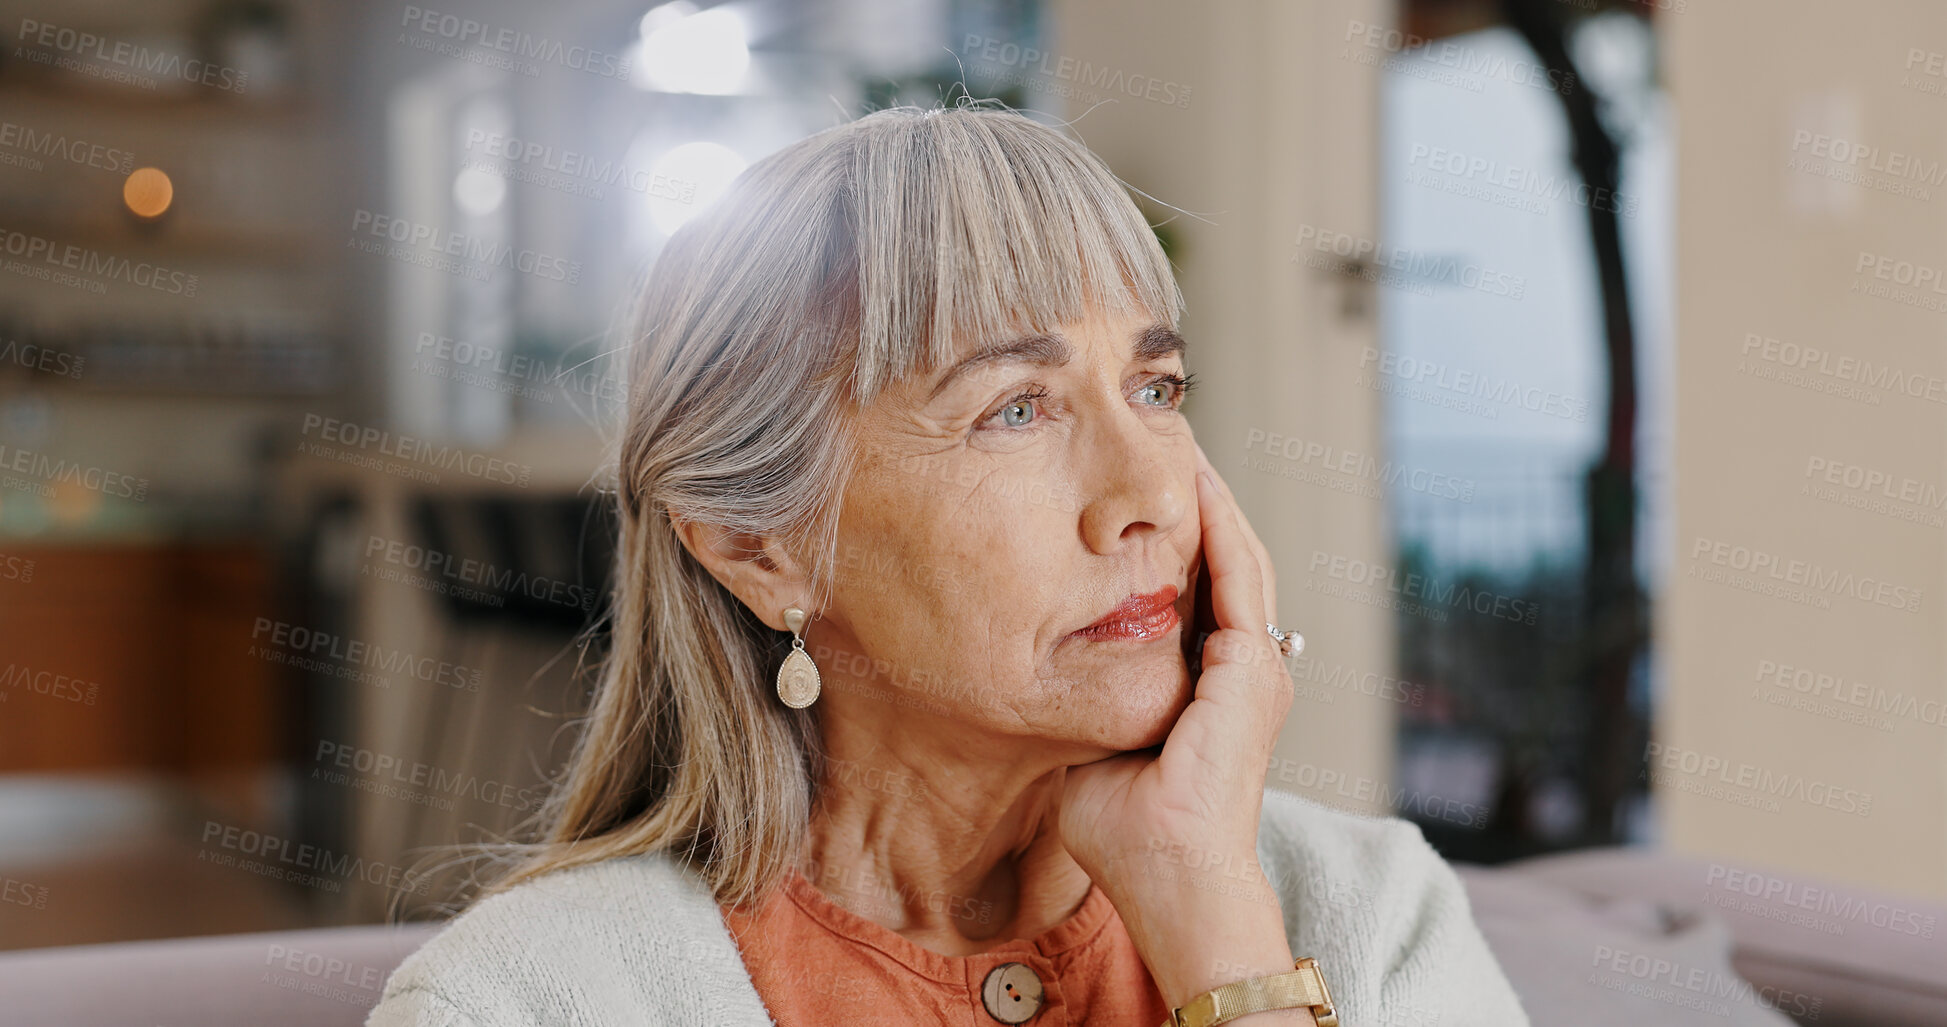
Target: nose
{"x":1141,"y":482}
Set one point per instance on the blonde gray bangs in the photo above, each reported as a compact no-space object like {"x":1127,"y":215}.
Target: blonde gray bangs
{"x":977,"y":225}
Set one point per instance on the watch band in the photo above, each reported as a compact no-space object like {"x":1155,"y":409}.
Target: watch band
{"x":1303,"y":986}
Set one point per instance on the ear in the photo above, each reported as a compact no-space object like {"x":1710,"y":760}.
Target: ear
{"x":755,"y":569}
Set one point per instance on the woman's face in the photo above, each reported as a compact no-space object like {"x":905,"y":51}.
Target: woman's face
{"x":1018,"y":545}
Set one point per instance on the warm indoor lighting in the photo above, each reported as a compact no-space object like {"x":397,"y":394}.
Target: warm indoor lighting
{"x":148,"y":192}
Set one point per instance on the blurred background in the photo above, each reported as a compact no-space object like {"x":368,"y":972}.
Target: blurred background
{"x":1580,"y":361}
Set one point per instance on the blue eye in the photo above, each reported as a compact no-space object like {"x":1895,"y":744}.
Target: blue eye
{"x":1167,"y":391}
{"x":1020,"y":410}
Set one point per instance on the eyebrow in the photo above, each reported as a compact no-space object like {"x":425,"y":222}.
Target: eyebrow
{"x":1159,"y":340}
{"x":1051,"y":350}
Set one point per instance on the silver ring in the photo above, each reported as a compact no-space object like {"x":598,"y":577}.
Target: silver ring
{"x":1290,"y":643}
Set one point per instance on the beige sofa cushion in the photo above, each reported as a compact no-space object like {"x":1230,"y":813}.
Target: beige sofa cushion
{"x":321,"y":978}
{"x":1826,"y":953}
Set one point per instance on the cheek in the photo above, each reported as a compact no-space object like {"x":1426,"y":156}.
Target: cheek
{"x":900,"y":557}
{"x":1014,"y":537}
{"x":963,"y":557}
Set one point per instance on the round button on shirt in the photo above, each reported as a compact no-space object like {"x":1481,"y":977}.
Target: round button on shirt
{"x":815,"y":962}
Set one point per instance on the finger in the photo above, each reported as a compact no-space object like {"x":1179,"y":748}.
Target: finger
{"x":1222,"y":485}
{"x":1265,"y":568}
{"x":1230,"y":497}
{"x":1236,"y":583}
{"x":1238,"y":655}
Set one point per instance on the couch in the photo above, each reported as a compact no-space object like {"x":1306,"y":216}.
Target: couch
{"x":1606,"y":937}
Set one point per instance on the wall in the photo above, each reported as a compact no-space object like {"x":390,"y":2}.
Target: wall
{"x":1773,"y":565}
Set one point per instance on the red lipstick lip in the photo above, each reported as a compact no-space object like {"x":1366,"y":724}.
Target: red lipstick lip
{"x":1142,"y":616}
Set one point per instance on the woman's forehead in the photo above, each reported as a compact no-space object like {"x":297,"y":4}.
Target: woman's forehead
{"x":1137,"y":333}
{"x":1137,"y":337}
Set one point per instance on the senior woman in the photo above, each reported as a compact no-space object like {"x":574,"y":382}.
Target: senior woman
{"x":941,"y":685}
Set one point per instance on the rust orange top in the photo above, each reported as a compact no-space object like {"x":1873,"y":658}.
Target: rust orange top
{"x":815,"y":962}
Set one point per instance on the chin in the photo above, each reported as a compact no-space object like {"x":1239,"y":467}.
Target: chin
{"x":1139,"y":702}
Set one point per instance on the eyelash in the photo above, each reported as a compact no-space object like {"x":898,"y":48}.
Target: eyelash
{"x":1027,"y":395}
{"x":1181,"y":386}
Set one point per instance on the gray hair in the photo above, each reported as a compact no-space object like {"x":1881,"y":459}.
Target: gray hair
{"x":831,"y":268}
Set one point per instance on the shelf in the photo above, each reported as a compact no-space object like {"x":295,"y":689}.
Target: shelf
{"x":21,"y":83}
{"x":117,"y":234}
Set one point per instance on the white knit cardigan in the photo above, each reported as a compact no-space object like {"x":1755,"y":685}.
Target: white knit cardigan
{"x":639,"y":939}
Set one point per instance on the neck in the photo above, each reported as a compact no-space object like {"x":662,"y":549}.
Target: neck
{"x":948,"y":839}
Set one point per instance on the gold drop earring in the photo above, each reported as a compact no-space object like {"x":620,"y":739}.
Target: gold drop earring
{"x":797,"y":679}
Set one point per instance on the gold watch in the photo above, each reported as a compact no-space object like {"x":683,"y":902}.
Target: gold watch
{"x":1303,"y":986}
